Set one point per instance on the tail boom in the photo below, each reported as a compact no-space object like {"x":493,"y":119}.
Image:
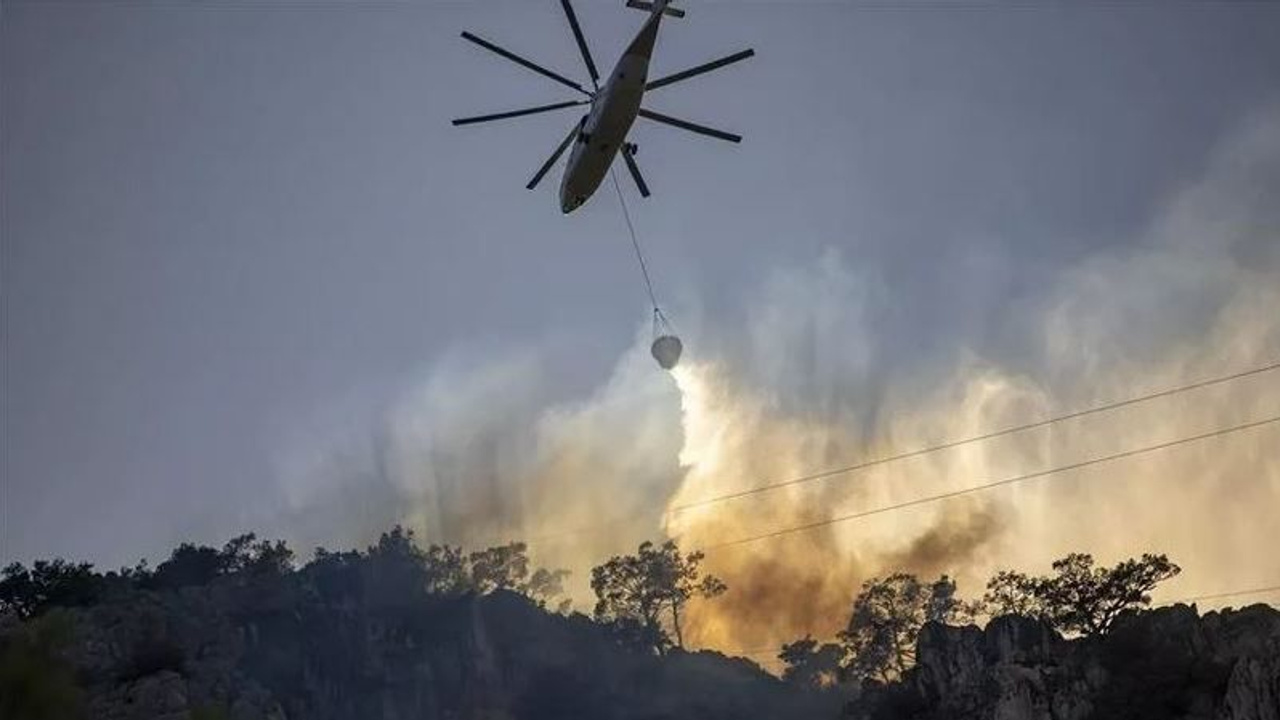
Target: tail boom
{"x":662,"y":6}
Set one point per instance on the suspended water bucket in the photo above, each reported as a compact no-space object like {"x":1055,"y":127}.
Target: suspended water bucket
{"x":666,"y":350}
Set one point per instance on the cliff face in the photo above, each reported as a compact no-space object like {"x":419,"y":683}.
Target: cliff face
{"x":249,"y":651}
{"x":1168,"y":663}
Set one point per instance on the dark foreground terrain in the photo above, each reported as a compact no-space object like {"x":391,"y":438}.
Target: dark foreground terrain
{"x":241,"y":649}
{"x":398,"y":633}
{"x":260,"y":648}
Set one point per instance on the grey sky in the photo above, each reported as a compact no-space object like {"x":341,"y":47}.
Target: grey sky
{"x":222,"y":222}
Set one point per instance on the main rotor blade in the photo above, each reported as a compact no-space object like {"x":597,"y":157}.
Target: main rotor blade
{"x":695,"y":71}
{"x":582,"y":42}
{"x":519,"y":113}
{"x":521,"y":61}
{"x":573,"y":132}
{"x":691,"y":127}
{"x":635,"y":171}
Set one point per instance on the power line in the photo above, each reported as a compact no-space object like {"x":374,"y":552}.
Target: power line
{"x":998,"y":483}
{"x":1216,"y":596}
{"x":975,"y":438}
{"x":949,"y":445}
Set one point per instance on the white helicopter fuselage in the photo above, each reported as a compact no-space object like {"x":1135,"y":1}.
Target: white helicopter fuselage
{"x":613,"y":110}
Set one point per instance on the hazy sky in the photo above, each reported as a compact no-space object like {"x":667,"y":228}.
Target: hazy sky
{"x":225,"y":226}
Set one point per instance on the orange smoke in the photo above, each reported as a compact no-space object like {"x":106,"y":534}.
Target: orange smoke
{"x":478,"y":458}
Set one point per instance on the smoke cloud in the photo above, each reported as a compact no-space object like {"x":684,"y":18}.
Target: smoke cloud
{"x":483,"y":451}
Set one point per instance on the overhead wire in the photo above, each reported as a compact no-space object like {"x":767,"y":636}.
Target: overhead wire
{"x":613,"y":524}
{"x":977,"y":438}
{"x":1025,"y":477}
{"x":1218,"y":596}
{"x":998,"y":483}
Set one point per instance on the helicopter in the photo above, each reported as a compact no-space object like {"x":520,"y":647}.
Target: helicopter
{"x":600,"y":135}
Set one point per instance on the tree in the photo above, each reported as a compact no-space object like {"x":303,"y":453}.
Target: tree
{"x":237,"y":554}
{"x":119,"y":583}
{"x":191,"y":564}
{"x":447,"y":571}
{"x":880,"y":639}
{"x":634,"y":591}
{"x":18,"y":591}
{"x":397,"y":561}
{"x":627,"y":599}
{"x":1080,"y":598}
{"x":188,"y":564}
{"x":1013,"y":593}
{"x":394,"y":571}
{"x":246,"y":553}
{"x":272,"y":558}
{"x":942,"y":605}
{"x":29,"y":592}
{"x":335,"y":576}
{"x":811,"y":665}
{"x":545,"y":586}
{"x":681,"y":581}
{"x":504,"y":567}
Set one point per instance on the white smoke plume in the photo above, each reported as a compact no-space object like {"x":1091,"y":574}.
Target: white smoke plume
{"x":483,"y":452}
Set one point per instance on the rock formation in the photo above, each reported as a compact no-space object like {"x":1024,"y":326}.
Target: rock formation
{"x":1164,"y":663}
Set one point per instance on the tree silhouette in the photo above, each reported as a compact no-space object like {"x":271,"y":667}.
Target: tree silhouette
{"x":394,"y":573}
{"x":880,"y":638}
{"x":191,"y":564}
{"x":188,"y":564}
{"x":1080,"y":598}
{"x":1013,"y":593}
{"x":504,"y":567}
{"x":545,"y":586}
{"x":237,"y":553}
{"x":397,"y":561}
{"x":447,"y":572}
{"x":246,"y":553}
{"x":270,"y":558}
{"x":335,"y":576}
{"x":811,"y":665}
{"x":683,"y":581}
{"x":628,"y":599}
{"x":29,"y":592}
{"x":634,"y":591}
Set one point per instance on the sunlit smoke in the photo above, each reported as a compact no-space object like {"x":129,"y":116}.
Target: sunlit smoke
{"x":483,"y":452}
{"x":1198,"y":297}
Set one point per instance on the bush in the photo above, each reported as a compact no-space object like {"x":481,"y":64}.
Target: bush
{"x":35,"y":682}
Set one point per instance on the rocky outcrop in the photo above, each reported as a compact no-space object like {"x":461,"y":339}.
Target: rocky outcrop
{"x":1165,"y":663}
{"x":1253,"y":693}
{"x":1013,"y":669}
